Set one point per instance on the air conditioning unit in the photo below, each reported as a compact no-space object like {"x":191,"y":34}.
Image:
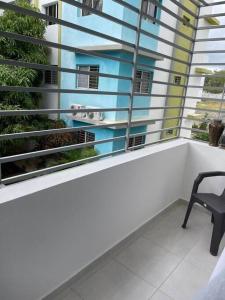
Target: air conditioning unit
{"x":77,"y":114}
{"x":99,"y":115}
{"x":95,"y":115}
{"x":91,"y":115}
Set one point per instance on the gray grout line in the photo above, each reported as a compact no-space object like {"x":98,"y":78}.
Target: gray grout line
{"x":78,"y":294}
{"x":136,"y":275}
{"x":113,"y":255}
{"x":182,"y":261}
{"x":155,"y":242}
{"x":158,"y":290}
{"x":169,"y":275}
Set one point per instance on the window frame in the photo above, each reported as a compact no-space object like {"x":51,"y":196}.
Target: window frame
{"x":147,"y":10}
{"x":84,"y":136}
{"x":186,"y":20}
{"x":177,"y":80}
{"x":85,"y":13}
{"x":53,"y":75}
{"x":46,"y":7}
{"x":170,"y":132}
{"x":88,"y":77}
{"x":136,"y":141}
{"x":139,"y":83}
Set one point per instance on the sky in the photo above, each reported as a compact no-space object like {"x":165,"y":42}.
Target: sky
{"x":218,"y":45}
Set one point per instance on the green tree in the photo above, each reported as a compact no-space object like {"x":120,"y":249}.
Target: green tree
{"x":11,"y":21}
{"x":215,"y":85}
{"x":19,"y":76}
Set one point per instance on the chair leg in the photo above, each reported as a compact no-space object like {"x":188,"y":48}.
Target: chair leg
{"x":217,"y":234}
{"x":190,"y":205}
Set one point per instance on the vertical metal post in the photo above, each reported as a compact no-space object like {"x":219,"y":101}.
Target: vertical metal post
{"x":133,"y":81}
{"x":188,"y":73}
{"x":60,"y":4}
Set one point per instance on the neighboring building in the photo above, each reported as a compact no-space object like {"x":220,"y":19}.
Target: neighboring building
{"x":61,"y":34}
{"x":194,"y":116}
{"x":159,"y":75}
{"x":51,"y":79}
{"x":90,"y":63}
{"x":179,"y":80}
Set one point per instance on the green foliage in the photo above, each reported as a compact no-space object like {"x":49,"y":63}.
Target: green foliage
{"x":72,"y":155}
{"x":17,"y":76}
{"x":10,"y":75}
{"x":12,"y":49}
{"x":57,"y":139}
{"x":25,"y":25}
{"x":202,"y":136}
{"x":215,"y":85}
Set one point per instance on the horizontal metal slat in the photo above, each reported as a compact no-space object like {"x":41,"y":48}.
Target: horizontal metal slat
{"x":61,"y":167}
{"x":19,"y":135}
{"x":39,"y":153}
{"x":36,"y":41}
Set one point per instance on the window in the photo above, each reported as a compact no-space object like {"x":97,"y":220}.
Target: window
{"x":88,"y":81}
{"x":96,"y":4}
{"x":150,"y":9}
{"x":52,"y":11}
{"x":143,"y":82}
{"x":177,"y":80}
{"x":169,"y":131}
{"x":51,"y":77}
{"x":136,"y":141}
{"x":186,"y":20}
{"x":83,"y":136}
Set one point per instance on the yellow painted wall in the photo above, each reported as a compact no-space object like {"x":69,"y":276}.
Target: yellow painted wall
{"x":179,"y":67}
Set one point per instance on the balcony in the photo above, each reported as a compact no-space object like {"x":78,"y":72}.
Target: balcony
{"x":123,"y":211}
{"x":83,"y":84}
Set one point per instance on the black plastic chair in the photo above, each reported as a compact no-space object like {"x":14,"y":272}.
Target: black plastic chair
{"x":212,"y":202}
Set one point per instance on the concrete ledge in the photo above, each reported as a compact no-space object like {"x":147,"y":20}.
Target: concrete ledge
{"x":28,"y":187}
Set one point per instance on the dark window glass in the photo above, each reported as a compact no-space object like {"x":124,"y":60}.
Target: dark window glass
{"x":143,"y":82}
{"x":177,"y":80}
{"x":83,"y":136}
{"x":186,"y":20}
{"x":169,"y":131}
{"x":52,"y":11}
{"x":96,"y":4}
{"x":88,"y":81}
{"x":51,"y":77}
{"x":137,"y":141}
{"x":149,"y":9}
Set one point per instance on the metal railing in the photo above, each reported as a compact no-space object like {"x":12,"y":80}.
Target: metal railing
{"x":168,"y":101}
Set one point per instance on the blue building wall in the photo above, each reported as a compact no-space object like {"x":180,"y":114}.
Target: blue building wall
{"x":108,"y":133}
{"x":113,"y":29}
{"x":72,"y":60}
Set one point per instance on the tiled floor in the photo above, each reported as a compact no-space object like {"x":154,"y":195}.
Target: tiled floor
{"x":162,"y":262}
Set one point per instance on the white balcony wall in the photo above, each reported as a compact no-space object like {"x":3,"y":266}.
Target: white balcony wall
{"x":51,"y":233}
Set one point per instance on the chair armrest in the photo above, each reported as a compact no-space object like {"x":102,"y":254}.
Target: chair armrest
{"x":203,"y":175}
